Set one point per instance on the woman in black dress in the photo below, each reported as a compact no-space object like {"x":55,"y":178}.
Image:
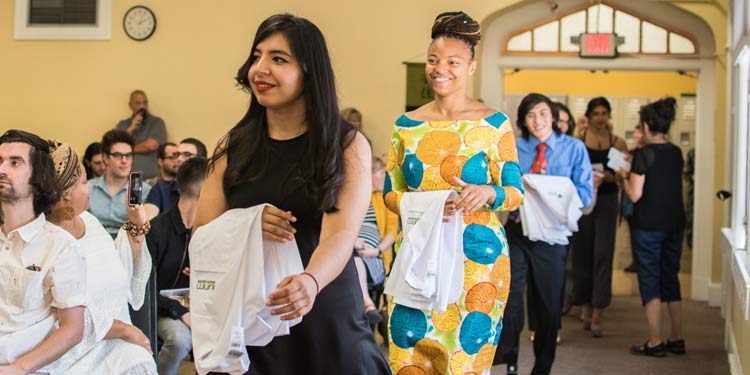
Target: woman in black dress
{"x":292,"y":150}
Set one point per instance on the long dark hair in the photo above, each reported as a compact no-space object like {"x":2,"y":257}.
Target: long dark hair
{"x":43,"y":180}
{"x":527,"y":104}
{"x":92,"y":150}
{"x":246,"y":146}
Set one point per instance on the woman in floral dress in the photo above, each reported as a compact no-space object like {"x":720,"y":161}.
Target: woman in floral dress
{"x":455,"y":142}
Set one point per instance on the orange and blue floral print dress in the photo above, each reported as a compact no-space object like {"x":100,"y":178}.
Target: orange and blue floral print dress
{"x":424,"y":156}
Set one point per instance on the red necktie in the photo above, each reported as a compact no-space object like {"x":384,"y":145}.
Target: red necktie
{"x":540,"y":162}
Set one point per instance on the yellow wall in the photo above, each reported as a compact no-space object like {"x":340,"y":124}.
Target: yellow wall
{"x":614,"y":83}
{"x":75,"y":90}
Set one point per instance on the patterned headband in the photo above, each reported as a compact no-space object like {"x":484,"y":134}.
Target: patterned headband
{"x":67,"y":168}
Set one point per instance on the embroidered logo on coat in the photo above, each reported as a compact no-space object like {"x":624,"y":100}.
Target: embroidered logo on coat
{"x":206,"y":285}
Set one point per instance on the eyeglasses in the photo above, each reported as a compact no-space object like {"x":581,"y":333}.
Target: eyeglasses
{"x":176,"y":155}
{"x":120,"y":156}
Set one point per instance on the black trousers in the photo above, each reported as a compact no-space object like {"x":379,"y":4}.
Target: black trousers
{"x":566,"y":286}
{"x":541,"y":267}
{"x":594,"y":253}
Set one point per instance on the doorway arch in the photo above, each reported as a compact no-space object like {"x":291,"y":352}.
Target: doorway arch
{"x":500,"y":25}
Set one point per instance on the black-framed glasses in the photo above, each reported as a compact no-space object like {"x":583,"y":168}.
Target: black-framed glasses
{"x":120,"y":155}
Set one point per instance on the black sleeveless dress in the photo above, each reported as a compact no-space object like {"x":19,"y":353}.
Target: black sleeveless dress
{"x":602,"y":157}
{"x":334,"y":337}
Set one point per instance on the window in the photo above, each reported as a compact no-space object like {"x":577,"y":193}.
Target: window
{"x":63,"y":19}
{"x":641,"y":37}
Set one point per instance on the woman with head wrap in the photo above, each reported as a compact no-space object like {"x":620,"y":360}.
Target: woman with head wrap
{"x":117,"y":273}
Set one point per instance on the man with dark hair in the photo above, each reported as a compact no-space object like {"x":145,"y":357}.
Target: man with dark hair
{"x":168,"y":242}
{"x":148,"y":130}
{"x":42,"y":274}
{"x":537,"y":264}
{"x":190,"y":147}
{"x":165,"y":191}
{"x":107,"y":193}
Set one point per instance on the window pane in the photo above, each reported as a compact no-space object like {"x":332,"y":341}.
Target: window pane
{"x":600,"y":19}
{"x":680,"y":44}
{"x":546,"y":37}
{"x":520,"y":42}
{"x":68,"y":12}
{"x":629,"y":27}
{"x":654,"y":38}
{"x":571,"y":25}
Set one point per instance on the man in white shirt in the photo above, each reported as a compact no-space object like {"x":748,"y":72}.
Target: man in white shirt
{"x":42,"y":275}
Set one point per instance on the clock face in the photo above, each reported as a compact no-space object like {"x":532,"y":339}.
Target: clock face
{"x":139,"y":23}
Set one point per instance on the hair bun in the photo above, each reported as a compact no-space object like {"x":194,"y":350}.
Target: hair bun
{"x":457,"y":25}
{"x":666,"y":108}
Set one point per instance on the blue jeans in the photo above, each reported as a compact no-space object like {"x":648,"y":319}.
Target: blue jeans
{"x":658,"y":255}
{"x":177,"y":342}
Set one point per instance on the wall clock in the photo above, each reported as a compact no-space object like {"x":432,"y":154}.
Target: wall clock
{"x":139,"y":23}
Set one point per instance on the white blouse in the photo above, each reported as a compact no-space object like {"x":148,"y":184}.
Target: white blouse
{"x":114,"y":280}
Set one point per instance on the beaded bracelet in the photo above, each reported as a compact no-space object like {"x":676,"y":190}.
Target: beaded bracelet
{"x":317,"y":287}
{"x":136,"y":230}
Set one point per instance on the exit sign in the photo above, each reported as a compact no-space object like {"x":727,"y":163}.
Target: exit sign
{"x":598,"y":45}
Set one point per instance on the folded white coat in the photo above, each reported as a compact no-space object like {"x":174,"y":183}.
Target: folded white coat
{"x":551,"y":208}
{"x":428,"y":270}
{"x":233,"y":269}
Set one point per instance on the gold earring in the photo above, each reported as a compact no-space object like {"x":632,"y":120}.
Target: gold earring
{"x":68,"y":213}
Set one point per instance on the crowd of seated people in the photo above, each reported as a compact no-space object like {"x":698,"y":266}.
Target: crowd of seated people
{"x":81,"y":257}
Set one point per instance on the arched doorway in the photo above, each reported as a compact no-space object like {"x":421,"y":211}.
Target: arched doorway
{"x":494,"y":60}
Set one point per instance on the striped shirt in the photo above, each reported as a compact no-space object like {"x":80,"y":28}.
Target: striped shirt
{"x":370,"y":234}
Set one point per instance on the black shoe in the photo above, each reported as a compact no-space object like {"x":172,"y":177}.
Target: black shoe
{"x":632,"y":268}
{"x":649,"y":351}
{"x":675,"y":347}
{"x":512,"y":369}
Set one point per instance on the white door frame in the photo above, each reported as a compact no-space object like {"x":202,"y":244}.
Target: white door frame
{"x":500,"y":24}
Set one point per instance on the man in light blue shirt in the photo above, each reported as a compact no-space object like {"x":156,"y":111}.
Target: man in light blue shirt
{"x":565,"y":156}
{"x":108,"y":192}
{"x":543,"y":149}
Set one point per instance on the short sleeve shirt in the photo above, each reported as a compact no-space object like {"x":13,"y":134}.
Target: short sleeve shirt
{"x":41,"y":268}
{"x":164,"y":195}
{"x":660,"y":207}
{"x":151,"y":128}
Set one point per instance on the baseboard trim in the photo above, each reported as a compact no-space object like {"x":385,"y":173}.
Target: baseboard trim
{"x":735,"y":367}
{"x":699,"y":287}
{"x":714,"y":294}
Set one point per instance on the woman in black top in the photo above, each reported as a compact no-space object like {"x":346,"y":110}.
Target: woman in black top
{"x":655,"y":187}
{"x":594,"y":244}
{"x":293,"y":150}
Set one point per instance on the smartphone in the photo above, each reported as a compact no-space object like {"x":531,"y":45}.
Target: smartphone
{"x":135,"y":188}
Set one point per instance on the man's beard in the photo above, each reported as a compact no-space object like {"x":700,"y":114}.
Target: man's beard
{"x":8,"y":196}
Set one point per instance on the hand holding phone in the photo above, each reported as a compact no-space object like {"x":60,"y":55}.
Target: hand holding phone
{"x":135,"y":188}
